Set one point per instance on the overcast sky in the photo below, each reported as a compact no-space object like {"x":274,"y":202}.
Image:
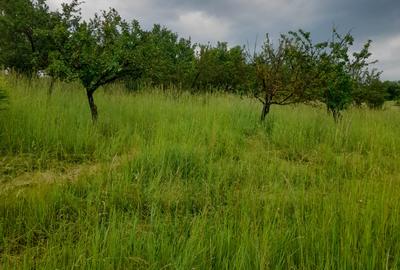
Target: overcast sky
{"x":243,"y":21}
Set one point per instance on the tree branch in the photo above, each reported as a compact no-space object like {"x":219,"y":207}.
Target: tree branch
{"x":106,"y":78}
{"x":260,"y":99}
{"x":282,"y":102}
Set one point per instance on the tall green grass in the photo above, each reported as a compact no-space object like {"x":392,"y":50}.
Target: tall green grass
{"x":194,"y":182}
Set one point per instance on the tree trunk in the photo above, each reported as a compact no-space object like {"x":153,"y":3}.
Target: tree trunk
{"x":336,"y":115}
{"x":92,"y":106}
{"x":265,"y":111}
{"x":195,"y":80}
{"x":51,"y":87}
{"x":29,"y":34}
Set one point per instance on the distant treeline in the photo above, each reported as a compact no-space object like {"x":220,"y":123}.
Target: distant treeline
{"x":107,"y":48}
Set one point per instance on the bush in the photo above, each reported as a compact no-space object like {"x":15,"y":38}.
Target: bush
{"x":375,"y":94}
{"x":392,"y":89}
{"x":338,"y":92}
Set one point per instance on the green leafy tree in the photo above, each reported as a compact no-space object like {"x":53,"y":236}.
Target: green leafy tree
{"x":203,"y":64}
{"x":299,"y":70}
{"x":169,"y":60}
{"x":236,"y":70}
{"x":69,"y":20}
{"x":220,"y":68}
{"x":338,"y":91}
{"x":375,"y":91}
{"x":392,"y":89}
{"x":286,"y":73}
{"x":184,"y":62}
{"x":99,"y":52}
{"x":336,"y":80}
{"x":344,"y":79}
{"x":26,"y":35}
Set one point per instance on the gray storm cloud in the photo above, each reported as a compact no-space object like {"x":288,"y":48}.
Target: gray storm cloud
{"x":242,"y":21}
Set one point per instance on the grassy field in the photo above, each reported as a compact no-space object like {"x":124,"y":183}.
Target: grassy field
{"x":167,"y":181}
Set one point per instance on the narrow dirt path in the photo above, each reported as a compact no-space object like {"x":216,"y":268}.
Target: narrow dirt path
{"x":62,"y":174}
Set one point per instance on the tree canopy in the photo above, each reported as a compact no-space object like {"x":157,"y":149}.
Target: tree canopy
{"x":107,"y":48}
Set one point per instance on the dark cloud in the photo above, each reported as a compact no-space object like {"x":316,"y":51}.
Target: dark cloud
{"x":242,"y":21}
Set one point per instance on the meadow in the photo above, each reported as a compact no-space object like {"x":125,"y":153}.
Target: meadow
{"x":169,"y":180}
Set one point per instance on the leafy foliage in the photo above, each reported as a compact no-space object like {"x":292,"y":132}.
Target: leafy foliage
{"x":392,"y":90}
{"x":26,"y":35}
{"x":99,"y":52}
{"x":107,"y":48}
{"x":338,"y":93}
{"x":167,"y":59}
{"x":286,"y":74}
{"x":297,"y":70}
{"x":220,"y":68}
{"x":371,"y":91}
